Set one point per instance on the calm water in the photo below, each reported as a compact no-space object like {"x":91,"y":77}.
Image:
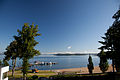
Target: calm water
{"x":63,"y":61}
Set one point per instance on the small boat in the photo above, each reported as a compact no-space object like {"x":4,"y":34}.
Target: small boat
{"x":44,"y":63}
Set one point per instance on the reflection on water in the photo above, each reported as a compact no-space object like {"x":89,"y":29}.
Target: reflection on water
{"x":75,"y":61}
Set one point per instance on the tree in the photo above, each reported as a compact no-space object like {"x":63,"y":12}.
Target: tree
{"x":0,"y":63}
{"x":90,"y":65}
{"x":111,"y":42}
{"x":103,"y":62}
{"x":5,"y":63}
{"x":26,"y":41}
{"x":107,"y":45}
{"x":12,"y":53}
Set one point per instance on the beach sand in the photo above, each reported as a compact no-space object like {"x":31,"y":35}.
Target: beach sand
{"x":83,"y":70}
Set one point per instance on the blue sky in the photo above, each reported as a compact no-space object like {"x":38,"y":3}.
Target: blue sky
{"x":66,"y":25}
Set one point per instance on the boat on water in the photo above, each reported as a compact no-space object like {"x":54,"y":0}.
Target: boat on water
{"x":44,"y":63}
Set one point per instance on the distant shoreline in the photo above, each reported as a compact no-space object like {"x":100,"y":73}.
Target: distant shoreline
{"x":66,"y":54}
{"x":73,"y":54}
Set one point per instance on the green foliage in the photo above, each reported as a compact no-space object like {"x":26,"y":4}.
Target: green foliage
{"x":103,"y":62}
{"x":95,"y":76}
{"x":111,"y":41}
{"x":5,"y":63}
{"x":26,"y":41}
{"x":90,"y":65}
{"x":35,"y":77}
{"x":25,"y":66}
{"x":103,"y":65}
{"x":12,"y":53}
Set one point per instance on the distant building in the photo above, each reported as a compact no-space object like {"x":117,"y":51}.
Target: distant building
{"x":4,"y":73}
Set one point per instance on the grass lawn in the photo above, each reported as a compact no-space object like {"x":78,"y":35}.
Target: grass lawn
{"x":18,"y":73}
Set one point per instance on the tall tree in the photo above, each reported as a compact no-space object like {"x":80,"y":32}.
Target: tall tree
{"x":12,"y":53}
{"x":26,"y":41}
{"x":0,"y":63}
{"x":111,"y":42}
{"x":5,"y":63}
{"x":90,"y":65}
{"x":103,"y":62}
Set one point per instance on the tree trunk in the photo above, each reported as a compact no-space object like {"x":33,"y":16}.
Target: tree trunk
{"x":14,"y":65}
{"x":24,"y":76}
{"x":25,"y":68}
{"x":113,"y":65}
{"x":117,"y":65}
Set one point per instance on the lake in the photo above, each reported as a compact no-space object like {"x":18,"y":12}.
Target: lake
{"x":75,"y":61}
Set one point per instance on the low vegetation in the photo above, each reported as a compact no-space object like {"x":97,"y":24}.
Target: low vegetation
{"x":95,"y":76}
{"x":90,"y":65}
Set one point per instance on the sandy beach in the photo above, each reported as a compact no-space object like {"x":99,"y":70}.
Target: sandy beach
{"x":83,"y":70}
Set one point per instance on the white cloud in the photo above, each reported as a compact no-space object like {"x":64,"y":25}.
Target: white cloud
{"x":69,"y":47}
